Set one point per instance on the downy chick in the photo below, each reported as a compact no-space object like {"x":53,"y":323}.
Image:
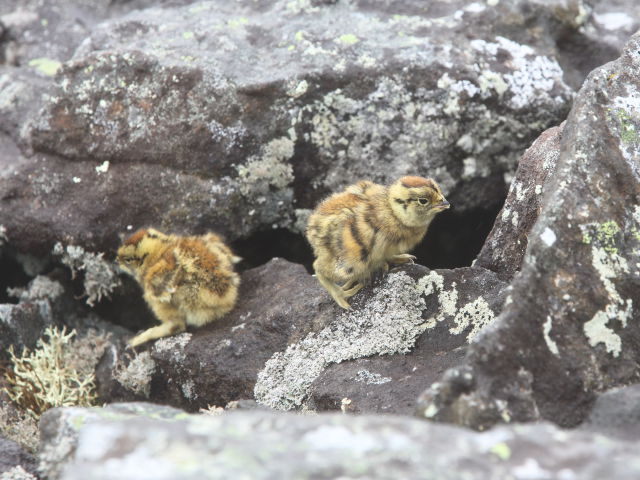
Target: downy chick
{"x":186,"y":280}
{"x":370,"y":227}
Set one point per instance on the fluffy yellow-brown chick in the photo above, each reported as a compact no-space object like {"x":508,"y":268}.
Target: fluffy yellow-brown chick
{"x":186,"y":280}
{"x":370,"y":227}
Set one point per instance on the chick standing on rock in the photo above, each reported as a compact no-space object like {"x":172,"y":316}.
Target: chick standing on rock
{"x":370,"y":227}
{"x":186,"y":280}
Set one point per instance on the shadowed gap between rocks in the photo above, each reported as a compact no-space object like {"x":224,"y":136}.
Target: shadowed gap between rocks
{"x":454,"y":240}
{"x":12,"y":275}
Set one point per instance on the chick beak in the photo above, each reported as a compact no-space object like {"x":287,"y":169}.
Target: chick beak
{"x":443,"y":205}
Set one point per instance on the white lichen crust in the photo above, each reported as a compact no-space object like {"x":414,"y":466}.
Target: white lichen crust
{"x":390,"y":322}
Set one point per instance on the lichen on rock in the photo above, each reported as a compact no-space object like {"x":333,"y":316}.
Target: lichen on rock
{"x":100,"y":276}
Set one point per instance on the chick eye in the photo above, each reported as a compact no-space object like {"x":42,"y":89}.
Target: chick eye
{"x":423,"y":201}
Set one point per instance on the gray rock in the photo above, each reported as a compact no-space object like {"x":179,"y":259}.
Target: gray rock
{"x":616,"y":413}
{"x":288,"y":344}
{"x":569,"y":327}
{"x":12,"y":455}
{"x":59,"y":429}
{"x":22,"y":323}
{"x":265,"y":445}
{"x":284,"y":103}
{"x":505,"y":246}
{"x":218,"y":363}
{"x":457,"y":304}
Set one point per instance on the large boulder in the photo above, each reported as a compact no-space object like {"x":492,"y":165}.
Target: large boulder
{"x":88,"y":443}
{"x":279,"y":304}
{"x":187,"y":117}
{"x":291,"y":346}
{"x":569,"y":328}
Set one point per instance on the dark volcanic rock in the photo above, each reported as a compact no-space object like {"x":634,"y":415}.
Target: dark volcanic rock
{"x":22,"y":323}
{"x":215,"y":111}
{"x":12,"y":455}
{"x":505,"y":246}
{"x":432,"y":314}
{"x":570,"y":324}
{"x":286,"y":331}
{"x":464,"y":302}
{"x":280,"y":303}
{"x":265,"y":445}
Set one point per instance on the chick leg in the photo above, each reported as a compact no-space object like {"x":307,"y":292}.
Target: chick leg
{"x":172,"y":323}
{"x":401,"y":259}
{"x":353,"y":290}
{"x":336,"y":292}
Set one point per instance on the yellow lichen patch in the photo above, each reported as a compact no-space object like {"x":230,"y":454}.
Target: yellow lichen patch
{"x":51,"y":375}
{"x":47,"y":66}
{"x":348,"y":39}
{"x":501,"y":450}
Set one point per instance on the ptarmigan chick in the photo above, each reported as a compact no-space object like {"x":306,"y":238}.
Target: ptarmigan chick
{"x":186,"y":280}
{"x":369,"y":227}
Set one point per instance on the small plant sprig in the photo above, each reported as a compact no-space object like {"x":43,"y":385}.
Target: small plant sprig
{"x":46,"y":377}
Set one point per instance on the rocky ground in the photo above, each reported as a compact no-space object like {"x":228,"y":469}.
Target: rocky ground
{"x":238,"y":117}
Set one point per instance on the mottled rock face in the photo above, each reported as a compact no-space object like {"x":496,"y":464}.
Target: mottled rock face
{"x":288,"y":344}
{"x":262,"y":445}
{"x":213,"y":365}
{"x":185,"y":117}
{"x":447,"y":311}
{"x":569,"y":325}
{"x":12,"y":456}
{"x":504,"y":248}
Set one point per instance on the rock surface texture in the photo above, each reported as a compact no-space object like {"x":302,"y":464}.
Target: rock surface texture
{"x":239,"y":117}
{"x":12,"y":457}
{"x":569,"y":326}
{"x":271,"y":445}
{"x":182,"y":117}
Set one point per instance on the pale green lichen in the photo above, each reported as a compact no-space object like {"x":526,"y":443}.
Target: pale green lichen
{"x":347,"y":39}
{"x":100,"y":277}
{"x":606,"y":240}
{"x":603,"y":235}
{"x":46,"y":66}
{"x":237,"y":22}
{"x":501,"y":450}
{"x":55,"y":374}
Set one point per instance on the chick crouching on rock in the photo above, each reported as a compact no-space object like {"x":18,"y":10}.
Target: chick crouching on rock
{"x":186,"y":280}
{"x":369,"y":227}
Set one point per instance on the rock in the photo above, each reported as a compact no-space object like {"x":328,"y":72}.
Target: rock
{"x":59,"y":429}
{"x":176,"y":129}
{"x":47,"y":301}
{"x":569,"y":327}
{"x":12,"y":456}
{"x":457,"y":304}
{"x":264,"y":445}
{"x":616,"y":413}
{"x":218,"y":363}
{"x":504,"y":248}
{"x":22,"y":324}
{"x":281,"y":340}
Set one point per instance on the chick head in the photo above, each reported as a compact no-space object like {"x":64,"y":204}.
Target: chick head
{"x":416,"y":200}
{"x":137,"y":247}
